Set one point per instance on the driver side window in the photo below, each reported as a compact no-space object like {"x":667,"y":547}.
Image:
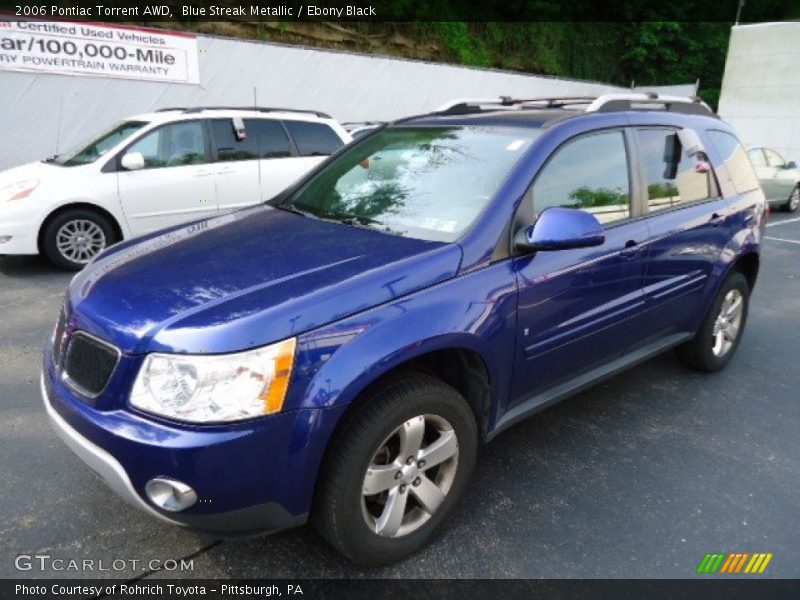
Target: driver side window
{"x":589,"y":173}
{"x":173,"y":145}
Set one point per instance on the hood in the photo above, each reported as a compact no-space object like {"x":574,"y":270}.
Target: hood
{"x":44,"y":172}
{"x":245,"y":279}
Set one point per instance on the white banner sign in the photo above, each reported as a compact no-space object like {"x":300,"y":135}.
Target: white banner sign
{"x":98,"y":50}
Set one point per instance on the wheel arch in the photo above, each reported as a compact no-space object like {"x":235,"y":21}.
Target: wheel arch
{"x":748,"y":265}
{"x":461,"y":367}
{"x":78,"y":205}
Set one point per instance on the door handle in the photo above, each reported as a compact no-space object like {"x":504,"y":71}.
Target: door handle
{"x":225,"y":171}
{"x":631,"y":249}
{"x":716,"y":220}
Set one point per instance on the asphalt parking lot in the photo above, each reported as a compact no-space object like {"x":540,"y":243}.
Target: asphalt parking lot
{"x":638,"y":477}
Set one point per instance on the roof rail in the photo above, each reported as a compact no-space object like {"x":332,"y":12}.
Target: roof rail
{"x":474,"y":102}
{"x":471,"y":105}
{"x":629,"y":101}
{"x":603,"y":103}
{"x":170,"y":109}
{"x":264,"y":109}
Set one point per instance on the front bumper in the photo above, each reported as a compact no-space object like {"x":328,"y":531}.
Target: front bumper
{"x":21,"y":225}
{"x":100,"y":461}
{"x":251,"y":478}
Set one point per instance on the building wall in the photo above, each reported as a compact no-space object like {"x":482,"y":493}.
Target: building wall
{"x":760,"y":93}
{"x":44,"y":114}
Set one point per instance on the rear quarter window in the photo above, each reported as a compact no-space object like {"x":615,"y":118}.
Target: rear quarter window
{"x":738,"y":165}
{"x":313,"y":139}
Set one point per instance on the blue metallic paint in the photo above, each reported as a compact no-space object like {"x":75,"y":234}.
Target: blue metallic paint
{"x":559,"y":228}
{"x":362,"y":303}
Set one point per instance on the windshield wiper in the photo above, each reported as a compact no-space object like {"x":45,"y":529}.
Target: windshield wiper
{"x":362,"y":222}
{"x":293,"y":209}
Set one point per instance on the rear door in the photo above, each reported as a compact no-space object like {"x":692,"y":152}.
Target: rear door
{"x":236,"y":165}
{"x":689,"y":223}
{"x":177,"y":182}
{"x":278,"y":164}
{"x":313,"y":143}
{"x":580,"y":308}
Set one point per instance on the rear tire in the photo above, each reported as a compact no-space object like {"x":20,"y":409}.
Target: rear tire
{"x":721,"y":331}
{"x":793,"y":203}
{"x":75,"y":237}
{"x":378,"y":499}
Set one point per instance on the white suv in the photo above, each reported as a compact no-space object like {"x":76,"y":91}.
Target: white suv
{"x":157,"y":170}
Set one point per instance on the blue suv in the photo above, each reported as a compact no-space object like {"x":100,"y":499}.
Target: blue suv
{"x":340,"y":353}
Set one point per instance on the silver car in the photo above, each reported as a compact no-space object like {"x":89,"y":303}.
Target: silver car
{"x":779,"y":178}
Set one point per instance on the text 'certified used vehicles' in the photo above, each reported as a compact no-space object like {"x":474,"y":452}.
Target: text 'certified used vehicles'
{"x":154,"y":171}
{"x":779,"y":178}
{"x":340,"y":353}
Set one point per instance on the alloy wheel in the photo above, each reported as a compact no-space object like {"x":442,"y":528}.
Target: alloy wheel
{"x":409,"y":476}
{"x":80,"y":240}
{"x":728,"y":323}
{"x":794,"y":200}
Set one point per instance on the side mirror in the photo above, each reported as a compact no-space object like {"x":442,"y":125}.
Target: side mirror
{"x":790,"y":165}
{"x":132,"y":161}
{"x":561,"y":229}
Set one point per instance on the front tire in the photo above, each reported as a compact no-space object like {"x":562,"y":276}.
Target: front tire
{"x":396,"y":469}
{"x":721,"y":331}
{"x":793,"y":203}
{"x":75,"y":237}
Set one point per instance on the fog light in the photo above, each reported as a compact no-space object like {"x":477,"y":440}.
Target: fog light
{"x":169,"y":494}
{"x":4,"y":239}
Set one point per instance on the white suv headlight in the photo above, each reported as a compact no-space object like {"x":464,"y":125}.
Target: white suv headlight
{"x":215,"y":388}
{"x":18,"y":190}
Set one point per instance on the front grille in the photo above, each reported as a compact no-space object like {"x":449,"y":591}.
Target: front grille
{"x":89,"y":363}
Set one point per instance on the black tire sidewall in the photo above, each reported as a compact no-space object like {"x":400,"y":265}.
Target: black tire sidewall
{"x":705,"y":337}
{"x":787,"y":207}
{"x":356,"y":540}
{"x":50,"y":247}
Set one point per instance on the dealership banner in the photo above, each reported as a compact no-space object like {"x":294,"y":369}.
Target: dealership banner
{"x":67,"y":48}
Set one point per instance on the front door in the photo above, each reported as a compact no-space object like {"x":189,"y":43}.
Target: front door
{"x":177,"y":182}
{"x":580,"y":308}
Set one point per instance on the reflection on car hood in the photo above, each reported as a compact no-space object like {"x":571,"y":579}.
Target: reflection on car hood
{"x":245,"y":279}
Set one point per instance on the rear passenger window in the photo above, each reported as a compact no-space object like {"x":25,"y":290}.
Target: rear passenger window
{"x":313,"y":139}
{"x":736,"y":162}
{"x":672,"y":177}
{"x":229,"y":147}
{"x":589,"y":173}
{"x":269,"y":136}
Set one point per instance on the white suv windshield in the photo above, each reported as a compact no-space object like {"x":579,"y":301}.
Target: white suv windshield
{"x":85,"y":153}
{"x":423,"y":182}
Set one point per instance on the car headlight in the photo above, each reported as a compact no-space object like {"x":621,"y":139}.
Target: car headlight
{"x":18,"y":190}
{"x":215,"y":388}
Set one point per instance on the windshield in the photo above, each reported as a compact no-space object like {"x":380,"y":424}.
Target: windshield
{"x":85,"y":153}
{"x":424,"y":182}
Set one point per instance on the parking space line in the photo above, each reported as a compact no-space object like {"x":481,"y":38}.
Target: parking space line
{"x":782,"y":240}
{"x":783,"y":222}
